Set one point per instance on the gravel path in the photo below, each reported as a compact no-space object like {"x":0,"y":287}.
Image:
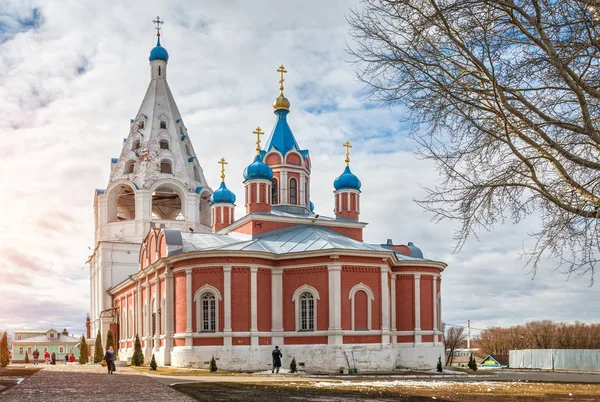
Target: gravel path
{"x":72,"y":383}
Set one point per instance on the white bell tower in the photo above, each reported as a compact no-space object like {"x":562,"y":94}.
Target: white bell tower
{"x":157,"y":180}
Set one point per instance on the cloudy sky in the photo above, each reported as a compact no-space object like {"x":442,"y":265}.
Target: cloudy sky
{"x":75,"y":71}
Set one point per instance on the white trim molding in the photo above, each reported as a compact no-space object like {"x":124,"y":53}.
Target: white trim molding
{"x":198,"y":299}
{"x":296,"y":299}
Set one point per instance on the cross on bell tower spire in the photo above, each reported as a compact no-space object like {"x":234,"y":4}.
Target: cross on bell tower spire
{"x":223,"y":163}
{"x":158,"y":22}
{"x":348,"y":146}
{"x":258,"y":133}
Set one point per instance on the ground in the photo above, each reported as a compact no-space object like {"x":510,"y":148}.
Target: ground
{"x":92,"y":383}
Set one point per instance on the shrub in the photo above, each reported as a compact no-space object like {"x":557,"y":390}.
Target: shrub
{"x":213,"y":365}
{"x":98,"y":351}
{"x":439,"y":365}
{"x":4,"y":356}
{"x":83,"y":351}
{"x":26,"y":357}
{"x":110,"y":341}
{"x":138,"y":357}
{"x":293,"y":367}
{"x":153,"y":363}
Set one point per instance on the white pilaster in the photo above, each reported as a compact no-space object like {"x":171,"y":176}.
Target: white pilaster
{"x":385,"y":304}
{"x":157,"y":300}
{"x":169,"y":318}
{"x":418,"y":338}
{"x":335,"y":304}
{"x":393,"y":308}
{"x":148,"y":313}
{"x":227,"y":341}
{"x":138,"y":309}
{"x":277,"y":306}
{"x":188,"y":309}
{"x":253,"y":306}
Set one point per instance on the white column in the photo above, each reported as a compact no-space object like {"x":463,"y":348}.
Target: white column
{"x":253,"y":306}
{"x":277,"y":305}
{"x":385,"y":304}
{"x":393,"y":308}
{"x":335,"y":304}
{"x":188,"y":309}
{"x":157,"y":300}
{"x":435,"y":312}
{"x":169,"y":316}
{"x":418,"y":338}
{"x":227,"y":305}
{"x":283,"y":185}
{"x":302,"y":192}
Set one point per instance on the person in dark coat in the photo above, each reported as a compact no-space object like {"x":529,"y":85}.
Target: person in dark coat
{"x":276,"y":353}
{"x":36,"y":356}
{"x":66,"y":358}
{"x":109,"y":356}
{"x":53,"y":358}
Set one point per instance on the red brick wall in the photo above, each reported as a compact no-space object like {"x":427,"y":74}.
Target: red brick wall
{"x":405,"y":308}
{"x":293,"y":159}
{"x":360,"y":310}
{"x":292,"y":280}
{"x":427,"y":302}
{"x":212,"y":276}
{"x":179,"y":288}
{"x":240,"y":299}
{"x":263,"y":288}
{"x":352,"y":276}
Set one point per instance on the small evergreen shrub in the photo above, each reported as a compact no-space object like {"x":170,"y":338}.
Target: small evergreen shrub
{"x":439,"y":365}
{"x":4,"y":356}
{"x":98,"y":351}
{"x":293,"y":367}
{"x":472,"y":363}
{"x":83,"y":351}
{"x":153,"y":363}
{"x":26,"y":357}
{"x":138,"y":357}
{"x":110,"y":341}
{"x":213,"y":365}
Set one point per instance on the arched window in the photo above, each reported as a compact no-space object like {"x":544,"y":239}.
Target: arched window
{"x":187,"y":150}
{"x":207,"y":308}
{"x":163,"y":124}
{"x":141,"y":124}
{"x":129,"y":167}
{"x":293,"y":191}
{"x":274,"y":192}
{"x":208,"y":321}
{"x":130,"y":326}
{"x":164,"y":144}
{"x":306,"y":200}
{"x":136,"y":145}
{"x":361,"y":297}
{"x":197,"y":174}
{"x":153,"y":324}
{"x":307,"y":312}
{"x":163,"y":316}
{"x":159,"y":71}
{"x":165,"y":166}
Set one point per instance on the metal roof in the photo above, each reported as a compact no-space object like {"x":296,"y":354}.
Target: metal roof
{"x":46,"y":339}
{"x":294,"y":239}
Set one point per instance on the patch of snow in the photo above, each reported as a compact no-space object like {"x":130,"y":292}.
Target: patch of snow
{"x":398,"y":383}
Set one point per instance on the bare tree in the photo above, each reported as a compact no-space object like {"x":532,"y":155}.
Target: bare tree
{"x":453,"y":338}
{"x":505,"y":99}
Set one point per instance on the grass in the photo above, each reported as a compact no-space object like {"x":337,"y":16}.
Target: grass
{"x":401,"y":391}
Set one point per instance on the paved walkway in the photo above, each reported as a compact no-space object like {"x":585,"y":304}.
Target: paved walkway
{"x":62,"y":383}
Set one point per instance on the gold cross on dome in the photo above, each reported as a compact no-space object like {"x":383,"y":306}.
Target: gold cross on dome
{"x":222,"y":163}
{"x":281,"y":70}
{"x":158,"y":23}
{"x":348,"y":146}
{"x":258,"y":133}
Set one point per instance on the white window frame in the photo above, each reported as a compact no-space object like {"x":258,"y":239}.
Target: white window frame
{"x":61,"y":349}
{"x":21,"y":350}
{"x":130,"y":322}
{"x":29,"y":350}
{"x":199,"y":311}
{"x":296,"y":300}
{"x":370,"y":298}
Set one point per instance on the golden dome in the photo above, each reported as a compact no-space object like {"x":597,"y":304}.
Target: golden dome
{"x":281,"y":103}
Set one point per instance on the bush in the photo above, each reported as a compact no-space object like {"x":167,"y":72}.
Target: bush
{"x":472,"y":363}
{"x":153,"y":363}
{"x":439,"y":365}
{"x":213,"y":365}
{"x":110,"y":341}
{"x":83,"y":351}
{"x":4,"y":356}
{"x":26,"y":357}
{"x":293,"y":367}
{"x":138,"y":357}
{"x":98,"y":351}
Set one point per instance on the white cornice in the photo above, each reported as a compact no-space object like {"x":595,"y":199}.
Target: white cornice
{"x":287,"y":219}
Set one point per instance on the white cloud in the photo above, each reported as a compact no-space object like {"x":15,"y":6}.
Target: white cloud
{"x":69,"y":88}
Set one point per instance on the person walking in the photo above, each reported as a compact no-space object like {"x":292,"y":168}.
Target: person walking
{"x":72,"y":358}
{"x":36,"y":356}
{"x":276,"y":353}
{"x":47,"y":357}
{"x":53,"y":358}
{"x":66,"y":358}
{"x":109,"y":356}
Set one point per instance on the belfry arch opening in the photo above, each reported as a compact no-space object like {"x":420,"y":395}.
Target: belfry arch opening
{"x":121,"y":204}
{"x":166,"y":204}
{"x":205,"y":218}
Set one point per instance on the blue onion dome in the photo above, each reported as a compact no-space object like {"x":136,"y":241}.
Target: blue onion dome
{"x":347,"y":180}
{"x":159,"y":52}
{"x":223,"y":195}
{"x":311,"y":206}
{"x":414,"y":250}
{"x":258,"y":170}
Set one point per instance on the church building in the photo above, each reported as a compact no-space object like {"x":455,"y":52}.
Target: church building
{"x":173,"y":265}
